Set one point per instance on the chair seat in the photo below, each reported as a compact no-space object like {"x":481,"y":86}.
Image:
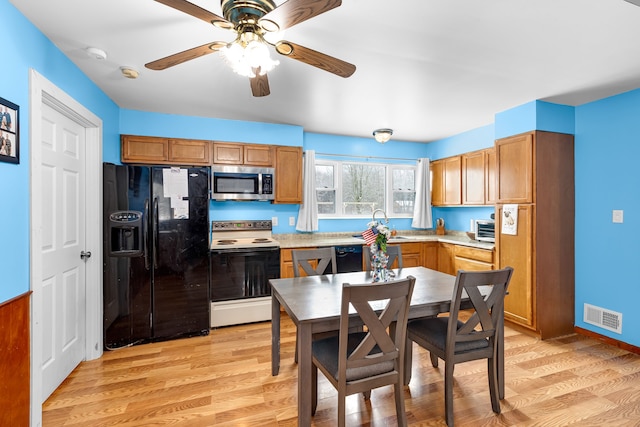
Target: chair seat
{"x":434,"y":331}
{"x":326,"y":351}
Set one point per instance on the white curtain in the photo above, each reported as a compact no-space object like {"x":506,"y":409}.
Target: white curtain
{"x":308,"y":212}
{"x":422,"y":206}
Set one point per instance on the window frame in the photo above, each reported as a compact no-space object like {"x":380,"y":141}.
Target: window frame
{"x":388,"y":187}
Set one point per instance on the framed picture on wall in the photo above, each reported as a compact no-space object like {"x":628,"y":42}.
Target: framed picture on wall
{"x":9,"y":134}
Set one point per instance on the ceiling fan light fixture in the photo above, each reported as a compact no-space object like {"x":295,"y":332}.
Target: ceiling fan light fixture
{"x":247,"y":54}
{"x":382,"y":135}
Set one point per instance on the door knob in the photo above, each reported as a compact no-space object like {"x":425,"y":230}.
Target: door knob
{"x":84,"y":255}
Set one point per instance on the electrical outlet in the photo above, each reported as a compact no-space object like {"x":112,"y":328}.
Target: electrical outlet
{"x":292,"y":220}
{"x":618,"y":216}
{"x":274,"y":221}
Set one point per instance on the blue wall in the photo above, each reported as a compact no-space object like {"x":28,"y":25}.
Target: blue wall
{"x":607,"y":150}
{"x":24,"y":48}
{"x":606,"y":147}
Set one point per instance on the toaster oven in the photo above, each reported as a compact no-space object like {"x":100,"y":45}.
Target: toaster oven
{"x":485,"y":230}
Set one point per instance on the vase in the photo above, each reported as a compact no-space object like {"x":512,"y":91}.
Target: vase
{"x":379,"y":260}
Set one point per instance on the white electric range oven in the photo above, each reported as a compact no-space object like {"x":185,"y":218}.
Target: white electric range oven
{"x":244,"y":256}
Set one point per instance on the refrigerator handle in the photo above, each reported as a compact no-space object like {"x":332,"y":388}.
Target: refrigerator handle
{"x":155,"y":233}
{"x":146,"y":231}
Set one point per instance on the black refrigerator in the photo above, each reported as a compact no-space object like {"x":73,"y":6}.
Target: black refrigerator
{"x":156,"y":253}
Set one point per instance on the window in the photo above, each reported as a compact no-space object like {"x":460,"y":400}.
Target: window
{"x":351,"y":189}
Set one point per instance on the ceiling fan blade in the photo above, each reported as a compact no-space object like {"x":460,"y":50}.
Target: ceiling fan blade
{"x":187,"y":55}
{"x":293,"y":12}
{"x":198,"y":12}
{"x":315,"y":58}
{"x":259,"y":84}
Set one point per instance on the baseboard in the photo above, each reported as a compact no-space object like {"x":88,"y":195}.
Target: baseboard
{"x":607,"y":340}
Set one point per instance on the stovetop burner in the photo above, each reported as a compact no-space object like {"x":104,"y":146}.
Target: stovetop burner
{"x":242,"y":234}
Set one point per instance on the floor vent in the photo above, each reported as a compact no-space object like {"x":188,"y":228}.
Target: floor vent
{"x":606,"y":319}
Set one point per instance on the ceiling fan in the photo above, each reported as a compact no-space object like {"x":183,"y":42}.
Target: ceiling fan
{"x":248,"y":53}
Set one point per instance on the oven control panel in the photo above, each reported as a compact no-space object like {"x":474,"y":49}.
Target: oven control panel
{"x":240,"y":225}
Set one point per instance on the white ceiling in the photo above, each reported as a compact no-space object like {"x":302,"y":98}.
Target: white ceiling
{"x":428,"y":69}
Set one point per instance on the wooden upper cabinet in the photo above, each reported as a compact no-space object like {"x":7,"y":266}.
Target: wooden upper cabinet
{"x":288,"y":174}
{"x":514,"y":162}
{"x":189,"y":152}
{"x":229,"y":153}
{"x":490,"y":177}
{"x":143,"y":149}
{"x":473,"y":178}
{"x":164,"y":151}
{"x":446,"y":183}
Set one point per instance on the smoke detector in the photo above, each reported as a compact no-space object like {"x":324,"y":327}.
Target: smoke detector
{"x":96,"y":53}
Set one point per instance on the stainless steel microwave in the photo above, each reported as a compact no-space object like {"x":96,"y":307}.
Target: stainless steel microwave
{"x":242,"y":183}
{"x":485,"y":230}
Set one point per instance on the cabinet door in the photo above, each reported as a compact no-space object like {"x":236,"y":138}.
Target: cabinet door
{"x":190,"y":152}
{"x":452,"y":180}
{"x":228,"y":153}
{"x":437,"y":183}
{"x":258,"y":155}
{"x":411,"y":254}
{"x":517,"y":251}
{"x":144,"y":149}
{"x":288,"y":174}
{"x":514,"y":160}
{"x":430,"y":255}
{"x":445,"y":258}
{"x":490,"y":177}
{"x":473,"y":178}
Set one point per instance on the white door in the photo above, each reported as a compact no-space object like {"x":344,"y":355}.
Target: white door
{"x":62,"y":166}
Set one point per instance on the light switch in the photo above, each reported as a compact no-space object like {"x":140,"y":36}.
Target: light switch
{"x":274,"y":221}
{"x":618,"y":216}
{"x":292,"y":220}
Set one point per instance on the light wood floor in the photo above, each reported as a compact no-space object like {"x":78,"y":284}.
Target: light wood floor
{"x":224,"y":379}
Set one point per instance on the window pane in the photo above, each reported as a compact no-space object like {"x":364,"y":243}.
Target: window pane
{"x":363,"y":188}
{"x":326,"y":201}
{"x":403,"y":179}
{"x":403,"y":202}
{"x":324,"y":176}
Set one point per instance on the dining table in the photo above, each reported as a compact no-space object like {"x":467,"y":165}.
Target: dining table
{"x":313,"y":304}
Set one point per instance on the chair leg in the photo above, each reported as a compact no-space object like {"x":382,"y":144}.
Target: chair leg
{"x":342,"y":411}
{"x":434,"y":360}
{"x":448,"y":392}
{"x":493,"y":385}
{"x":401,"y":414}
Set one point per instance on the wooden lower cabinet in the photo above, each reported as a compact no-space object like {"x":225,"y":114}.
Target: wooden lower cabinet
{"x":472,"y":259}
{"x":430,"y":255}
{"x":517,"y":251}
{"x":411,"y":255}
{"x":446,"y":258}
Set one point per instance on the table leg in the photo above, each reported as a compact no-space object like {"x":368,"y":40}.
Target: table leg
{"x":304,"y":374}
{"x":275,"y":336}
{"x":408,"y":360}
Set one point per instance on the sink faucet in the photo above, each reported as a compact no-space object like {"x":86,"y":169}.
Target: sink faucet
{"x":383,"y":213}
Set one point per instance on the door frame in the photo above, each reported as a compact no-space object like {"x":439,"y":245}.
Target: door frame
{"x":43,"y":92}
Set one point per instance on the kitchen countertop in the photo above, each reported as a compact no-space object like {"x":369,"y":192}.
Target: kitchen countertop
{"x":301,"y":240}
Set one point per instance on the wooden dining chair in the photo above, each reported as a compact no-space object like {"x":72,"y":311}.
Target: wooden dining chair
{"x":394,"y":252}
{"x":304,"y":260}
{"x":357,"y":362}
{"x":455,"y":341}
{"x":322,"y":257}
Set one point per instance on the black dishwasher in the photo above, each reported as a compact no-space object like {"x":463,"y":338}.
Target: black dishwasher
{"x":348,"y":259}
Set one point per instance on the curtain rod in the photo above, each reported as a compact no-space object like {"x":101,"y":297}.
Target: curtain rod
{"x":363,"y":157}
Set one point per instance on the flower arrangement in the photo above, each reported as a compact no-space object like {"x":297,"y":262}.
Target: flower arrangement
{"x":377,"y":233}
{"x":376,"y":236}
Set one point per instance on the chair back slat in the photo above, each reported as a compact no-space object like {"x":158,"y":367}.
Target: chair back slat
{"x":322,"y":257}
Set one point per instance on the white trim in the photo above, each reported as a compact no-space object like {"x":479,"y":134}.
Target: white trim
{"x":42,"y":91}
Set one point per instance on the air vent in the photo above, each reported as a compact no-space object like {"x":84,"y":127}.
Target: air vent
{"x":603,"y":318}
